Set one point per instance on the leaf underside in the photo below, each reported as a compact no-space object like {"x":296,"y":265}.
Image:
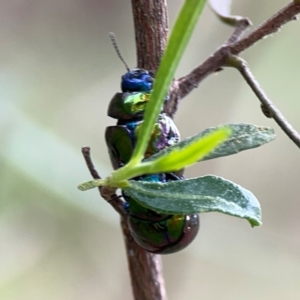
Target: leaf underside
{"x":204,"y":194}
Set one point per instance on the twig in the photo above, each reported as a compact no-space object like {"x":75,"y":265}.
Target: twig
{"x":109,"y":194}
{"x":184,"y":85}
{"x":274,"y":113}
{"x":272,"y":25}
{"x":242,"y":25}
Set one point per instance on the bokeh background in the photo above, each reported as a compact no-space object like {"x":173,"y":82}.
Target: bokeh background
{"x":58,"y":72}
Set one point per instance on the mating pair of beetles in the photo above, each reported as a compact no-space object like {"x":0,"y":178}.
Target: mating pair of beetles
{"x":157,"y":233}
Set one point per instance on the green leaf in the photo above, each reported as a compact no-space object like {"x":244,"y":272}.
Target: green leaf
{"x":181,"y":157}
{"x":204,"y":194}
{"x":181,"y":33}
{"x":243,"y":137}
{"x":222,"y":9}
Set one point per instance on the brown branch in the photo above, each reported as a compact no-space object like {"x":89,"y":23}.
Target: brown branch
{"x":145,"y":269}
{"x":273,"y":112}
{"x":184,"y":85}
{"x":107,"y":193}
{"x":151,"y":31}
{"x":241,"y":26}
{"x":272,"y":25}
{"x":240,"y":23}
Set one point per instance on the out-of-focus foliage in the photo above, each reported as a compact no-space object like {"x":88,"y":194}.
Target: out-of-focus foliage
{"x":58,"y":74}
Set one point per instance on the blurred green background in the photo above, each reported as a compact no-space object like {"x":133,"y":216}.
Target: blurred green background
{"x":58,"y":74}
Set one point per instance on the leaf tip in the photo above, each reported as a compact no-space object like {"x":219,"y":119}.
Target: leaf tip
{"x":90,"y":184}
{"x":82,"y":187}
{"x":255,"y":223}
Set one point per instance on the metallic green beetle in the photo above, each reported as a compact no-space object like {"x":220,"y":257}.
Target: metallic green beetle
{"x":157,"y":233}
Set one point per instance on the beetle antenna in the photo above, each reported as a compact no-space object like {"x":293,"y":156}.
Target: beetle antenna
{"x":115,"y":45}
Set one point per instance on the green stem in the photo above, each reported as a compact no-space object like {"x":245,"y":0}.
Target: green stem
{"x":178,"y":41}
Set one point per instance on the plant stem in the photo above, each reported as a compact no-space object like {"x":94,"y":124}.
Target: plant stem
{"x":151,"y":29}
{"x":107,"y":193}
{"x":273,"y":111}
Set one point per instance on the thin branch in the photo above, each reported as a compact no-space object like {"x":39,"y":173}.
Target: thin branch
{"x":242,"y":24}
{"x":184,"y":85}
{"x":109,"y":194}
{"x":273,"y":112}
{"x":272,"y":25}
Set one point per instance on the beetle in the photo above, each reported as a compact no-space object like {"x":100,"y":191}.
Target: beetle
{"x":155,"y":232}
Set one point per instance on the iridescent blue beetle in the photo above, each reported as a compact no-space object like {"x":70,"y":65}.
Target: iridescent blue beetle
{"x":157,"y":233}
